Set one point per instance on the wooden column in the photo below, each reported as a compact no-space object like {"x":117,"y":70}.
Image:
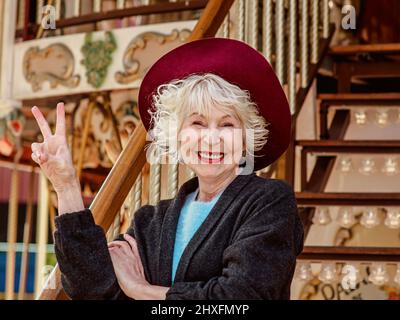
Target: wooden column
{"x":42,"y":226}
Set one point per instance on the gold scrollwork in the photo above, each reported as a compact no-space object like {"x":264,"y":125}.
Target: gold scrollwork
{"x":55,"y":64}
{"x":134,"y":65}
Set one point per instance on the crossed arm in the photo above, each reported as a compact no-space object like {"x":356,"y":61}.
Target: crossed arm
{"x":259,"y":264}
{"x":93,"y":269}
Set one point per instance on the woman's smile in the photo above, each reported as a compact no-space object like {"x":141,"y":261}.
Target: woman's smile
{"x":210,"y":157}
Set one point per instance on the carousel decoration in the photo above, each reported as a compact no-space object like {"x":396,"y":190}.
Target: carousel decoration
{"x":133,"y":65}
{"x":11,"y":127}
{"x":98,"y":57}
{"x":54,"y":64}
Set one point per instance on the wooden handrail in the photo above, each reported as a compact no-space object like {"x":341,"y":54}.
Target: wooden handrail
{"x":114,"y":190}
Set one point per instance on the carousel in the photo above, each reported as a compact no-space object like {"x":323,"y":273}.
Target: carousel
{"x":337,"y":60}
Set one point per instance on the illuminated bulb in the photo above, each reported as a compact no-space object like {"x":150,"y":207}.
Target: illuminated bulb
{"x":396,"y":278}
{"x":346,"y":217}
{"x":378,"y":275}
{"x":382,"y":118}
{"x":322,"y":216}
{"x":391,"y":166}
{"x":303,"y":271}
{"x":360,"y":117}
{"x":328,"y":273}
{"x":367,"y":166}
{"x":370,"y":218}
{"x":345,"y":165}
{"x":392,"y":220}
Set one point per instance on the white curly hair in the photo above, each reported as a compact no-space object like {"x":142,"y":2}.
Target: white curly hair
{"x":196,"y":93}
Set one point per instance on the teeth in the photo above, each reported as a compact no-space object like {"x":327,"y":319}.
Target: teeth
{"x":214,"y":155}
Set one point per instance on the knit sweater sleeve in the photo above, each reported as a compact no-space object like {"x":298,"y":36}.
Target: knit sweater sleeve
{"x":82,"y":253}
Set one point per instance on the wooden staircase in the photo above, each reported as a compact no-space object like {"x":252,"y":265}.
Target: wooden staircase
{"x":349,"y":65}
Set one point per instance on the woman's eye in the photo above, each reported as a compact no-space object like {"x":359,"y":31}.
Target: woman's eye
{"x":198,"y":123}
{"x":227,"y":125}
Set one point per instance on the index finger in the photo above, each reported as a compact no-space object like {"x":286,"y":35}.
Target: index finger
{"x":60,"y":123}
{"x":41,"y":121}
{"x":131,"y":240}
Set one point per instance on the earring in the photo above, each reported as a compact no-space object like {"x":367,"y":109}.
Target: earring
{"x":243,"y":159}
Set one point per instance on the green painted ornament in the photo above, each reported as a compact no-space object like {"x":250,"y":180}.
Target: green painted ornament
{"x":97,"y":58}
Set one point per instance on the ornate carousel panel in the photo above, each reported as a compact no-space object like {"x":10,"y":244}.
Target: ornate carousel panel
{"x":87,"y":62}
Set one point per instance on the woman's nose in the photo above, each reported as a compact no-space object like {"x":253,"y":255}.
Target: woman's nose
{"x":211,"y":136}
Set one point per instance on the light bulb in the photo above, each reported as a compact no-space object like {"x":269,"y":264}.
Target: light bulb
{"x":396,"y":278}
{"x":378,"y":275}
{"x":391,"y":166}
{"x":303,"y":271}
{"x":360,"y":117}
{"x":367,"y":166}
{"x":328,"y":273}
{"x":392,"y":219}
{"x":382,"y":117}
{"x":345,"y":165}
{"x":346,"y":217}
{"x":370,"y":218}
{"x":322,"y":216}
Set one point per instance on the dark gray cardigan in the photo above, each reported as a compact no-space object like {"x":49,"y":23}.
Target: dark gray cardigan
{"x":245,"y":249}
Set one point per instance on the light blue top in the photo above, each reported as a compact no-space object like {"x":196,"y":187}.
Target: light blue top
{"x":192,"y":215}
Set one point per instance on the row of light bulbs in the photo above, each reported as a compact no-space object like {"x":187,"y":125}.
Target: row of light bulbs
{"x":380,"y":117}
{"x":368,"y":165}
{"x":329,"y":274}
{"x":346,"y":217}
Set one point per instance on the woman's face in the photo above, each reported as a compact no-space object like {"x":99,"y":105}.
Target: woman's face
{"x":211,"y":146}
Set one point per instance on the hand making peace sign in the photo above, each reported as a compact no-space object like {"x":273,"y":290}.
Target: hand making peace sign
{"x":53,"y":154}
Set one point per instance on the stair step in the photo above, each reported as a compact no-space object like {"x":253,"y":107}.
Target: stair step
{"x":381,"y":48}
{"x":360,"y":146}
{"x":318,"y":253}
{"x":346,"y":198}
{"x":391,"y":98}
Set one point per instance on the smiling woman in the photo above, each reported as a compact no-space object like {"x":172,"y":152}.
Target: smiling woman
{"x":191,"y":102}
{"x":203,"y":119}
{"x":228,"y":234}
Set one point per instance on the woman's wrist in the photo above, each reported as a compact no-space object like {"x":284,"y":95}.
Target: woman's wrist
{"x":148,"y":292}
{"x":70,"y":198}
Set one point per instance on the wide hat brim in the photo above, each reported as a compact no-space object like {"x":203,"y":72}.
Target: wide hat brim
{"x":237,"y":63}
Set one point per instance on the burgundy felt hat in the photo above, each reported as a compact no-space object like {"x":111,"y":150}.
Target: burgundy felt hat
{"x":237,"y":63}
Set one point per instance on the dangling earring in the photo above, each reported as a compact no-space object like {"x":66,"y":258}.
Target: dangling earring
{"x":243,"y":159}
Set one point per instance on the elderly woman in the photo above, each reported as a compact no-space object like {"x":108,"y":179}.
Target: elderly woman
{"x":216,"y":106}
